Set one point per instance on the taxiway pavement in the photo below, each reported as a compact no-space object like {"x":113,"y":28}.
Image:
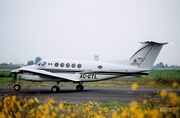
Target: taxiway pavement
{"x":69,"y":94}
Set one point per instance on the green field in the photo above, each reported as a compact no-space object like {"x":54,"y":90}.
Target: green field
{"x":156,"y":78}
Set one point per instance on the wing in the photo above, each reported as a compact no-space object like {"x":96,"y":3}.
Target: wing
{"x":70,"y":77}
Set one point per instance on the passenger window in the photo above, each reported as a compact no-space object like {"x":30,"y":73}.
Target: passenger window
{"x":67,"y":65}
{"x":56,"y":64}
{"x":73,"y":65}
{"x":62,"y":64}
{"x":79,"y":65}
{"x":100,"y":67}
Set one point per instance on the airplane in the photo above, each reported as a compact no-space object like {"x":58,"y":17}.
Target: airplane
{"x":80,"y":71}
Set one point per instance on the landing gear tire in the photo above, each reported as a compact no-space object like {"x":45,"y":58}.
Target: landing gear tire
{"x":55,"y":89}
{"x":17,"y":87}
{"x":79,"y":87}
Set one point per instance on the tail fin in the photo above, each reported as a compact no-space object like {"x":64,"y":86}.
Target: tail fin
{"x":146,"y":55}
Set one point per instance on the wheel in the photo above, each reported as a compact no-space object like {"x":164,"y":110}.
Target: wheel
{"x":79,"y":87}
{"x":17,"y":87}
{"x":55,"y":89}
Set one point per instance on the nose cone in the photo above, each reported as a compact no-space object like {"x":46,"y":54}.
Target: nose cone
{"x":20,"y":70}
{"x":15,"y":71}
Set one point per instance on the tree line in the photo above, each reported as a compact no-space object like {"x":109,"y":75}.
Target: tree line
{"x":30,"y":62}
{"x":161,"y":65}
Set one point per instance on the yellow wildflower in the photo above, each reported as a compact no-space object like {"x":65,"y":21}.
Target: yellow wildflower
{"x":18,"y":115}
{"x":144,"y":101}
{"x":18,"y":105}
{"x":139,"y":114}
{"x":152,"y":82}
{"x":163,"y":93}
{"x":61,"y":106}
{"x":154,"y":113}
{"x":50,"y":100}
{"x":30,"y":101}
{"x":36,"y":100}
{"x":174,"y":99}
{"x":46,"y":111}
{"x":25,"y":105}
{"x":133,"y":105}
{"x":73,"y":115}
{"x":54,"y":114}
{"x":175,"y":84}
{"x":68,"y":116}
{"x":90,"y":102}
{"x":40,"y":107}
{"x":114,"y":114}
{"x":13,"y":98}
{"x":134,"y":86}
{"x":45,"y":106}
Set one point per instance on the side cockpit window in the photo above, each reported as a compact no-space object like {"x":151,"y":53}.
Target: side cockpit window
{"x":43,"y":64}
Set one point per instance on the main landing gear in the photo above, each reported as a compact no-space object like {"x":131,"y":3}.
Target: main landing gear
{"x":80,"y":87}
{"x":55,"y":88}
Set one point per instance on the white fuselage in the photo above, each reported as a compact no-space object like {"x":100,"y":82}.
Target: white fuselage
{"x":77,"y":70}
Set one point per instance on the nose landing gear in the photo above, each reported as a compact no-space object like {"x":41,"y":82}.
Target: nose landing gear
{"x":17,"y":87}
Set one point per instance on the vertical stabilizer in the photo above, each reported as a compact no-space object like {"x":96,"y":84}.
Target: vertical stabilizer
{"x":146,"y":55}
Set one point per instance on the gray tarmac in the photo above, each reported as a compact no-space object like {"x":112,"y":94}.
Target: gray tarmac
{"x":69,"y":94}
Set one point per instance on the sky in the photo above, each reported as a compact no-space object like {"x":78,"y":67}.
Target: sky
{"x":80,"y":29}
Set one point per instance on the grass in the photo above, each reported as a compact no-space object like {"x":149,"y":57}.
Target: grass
{"x":8,"y":79}
{"x":113,"y":105}
{"x":166,"y":73}
{"x":156,"y":79}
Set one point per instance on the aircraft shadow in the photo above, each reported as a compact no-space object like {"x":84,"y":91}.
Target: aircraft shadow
{"x":49,"y":91}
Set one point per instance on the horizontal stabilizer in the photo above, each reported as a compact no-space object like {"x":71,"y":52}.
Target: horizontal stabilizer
{"x":146,"y":55}
{"x":153,"y":42}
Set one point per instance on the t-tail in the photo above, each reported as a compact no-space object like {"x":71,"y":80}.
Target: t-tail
{"x":146,"y":55}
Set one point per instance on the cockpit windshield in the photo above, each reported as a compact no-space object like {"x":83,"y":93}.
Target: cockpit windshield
{"x":41,"y":63}
{"x":38,"y":64}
